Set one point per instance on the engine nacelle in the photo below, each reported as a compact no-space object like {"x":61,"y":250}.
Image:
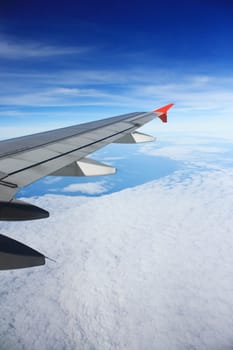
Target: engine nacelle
{"x":17,"y":210}
{"x":16,"y":255}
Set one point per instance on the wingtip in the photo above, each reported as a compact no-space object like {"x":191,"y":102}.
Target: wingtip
{"x":163,"y":110}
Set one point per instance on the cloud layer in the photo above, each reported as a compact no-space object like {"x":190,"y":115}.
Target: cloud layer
{"x":148,"y":267}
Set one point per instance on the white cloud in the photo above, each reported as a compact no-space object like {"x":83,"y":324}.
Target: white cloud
{"x":192,"y":93}
{"x":86,"y":188}
{"x":202,"y":103}
{"x":145,"y":268}
{"x":10,"y":49}
{"x":64,"y":97}
{"x":185,"y":151}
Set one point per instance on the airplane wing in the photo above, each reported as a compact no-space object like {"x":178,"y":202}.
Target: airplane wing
{"x":62,"y":152}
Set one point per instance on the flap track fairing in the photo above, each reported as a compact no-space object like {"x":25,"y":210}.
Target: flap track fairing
{"x":85,"y":167}
{"x":135,"y":137}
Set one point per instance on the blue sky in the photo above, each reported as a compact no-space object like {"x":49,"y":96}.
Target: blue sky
{"x":62,"y":64}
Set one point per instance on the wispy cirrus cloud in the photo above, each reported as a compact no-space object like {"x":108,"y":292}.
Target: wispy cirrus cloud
{"x":64,"y":96}
{"x":78,"y":87}
{"x":14,"y":50}
{"x":201,"y":101}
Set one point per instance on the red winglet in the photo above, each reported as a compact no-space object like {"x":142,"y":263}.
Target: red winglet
{"x":163,"y":110}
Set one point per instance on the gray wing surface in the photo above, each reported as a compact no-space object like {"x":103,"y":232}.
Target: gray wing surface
{"x":26,"y":159}
{"x":62,"y":152}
